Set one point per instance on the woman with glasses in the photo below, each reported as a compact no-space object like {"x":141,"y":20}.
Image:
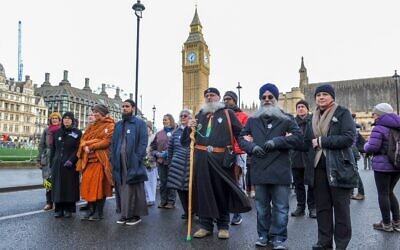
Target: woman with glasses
{"x":179,"y":156}
{"x":65,"y":178}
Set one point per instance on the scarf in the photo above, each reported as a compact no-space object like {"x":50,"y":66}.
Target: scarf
{"x":52,"y":128}
{"x":320,"y":124}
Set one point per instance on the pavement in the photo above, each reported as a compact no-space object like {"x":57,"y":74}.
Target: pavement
{"x":24,"y":225}
{"x":14,"y":179}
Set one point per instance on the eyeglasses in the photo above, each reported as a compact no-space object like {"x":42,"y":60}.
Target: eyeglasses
{"x":269,"y":97}
{"x":227,"y":99}
{"x":183,"y":116}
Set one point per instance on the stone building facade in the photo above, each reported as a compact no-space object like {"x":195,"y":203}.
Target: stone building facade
{"x":23,"y":116}
{"x":63,"y":97}
{"x":358,"y":95}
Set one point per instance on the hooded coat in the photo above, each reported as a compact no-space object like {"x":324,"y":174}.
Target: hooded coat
{"x":379,"y":140}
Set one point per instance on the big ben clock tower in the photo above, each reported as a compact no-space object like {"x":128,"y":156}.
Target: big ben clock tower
{"x":195,"y":67}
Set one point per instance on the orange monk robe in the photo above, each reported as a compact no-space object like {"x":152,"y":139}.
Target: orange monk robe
{"x":96,"y":169}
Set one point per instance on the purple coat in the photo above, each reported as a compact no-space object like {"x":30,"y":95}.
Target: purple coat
{"x":378,"y":142}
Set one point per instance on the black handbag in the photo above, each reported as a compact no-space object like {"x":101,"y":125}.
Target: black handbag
{"x":229,"y":155}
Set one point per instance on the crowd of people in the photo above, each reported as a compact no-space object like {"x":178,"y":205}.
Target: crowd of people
{"x":234,"y":156}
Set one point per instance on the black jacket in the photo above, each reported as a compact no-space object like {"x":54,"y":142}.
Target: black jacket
{"x":340,"y":164}
{"x":297,"y":157}
{"x":275,"y":167}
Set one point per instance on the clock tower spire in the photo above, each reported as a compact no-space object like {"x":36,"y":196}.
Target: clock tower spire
{"x":195,"y":66}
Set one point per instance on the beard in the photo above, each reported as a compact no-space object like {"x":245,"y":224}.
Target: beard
{"x":269,"y":110}
{"x":211,"y":107}
{"x":126,"y":116}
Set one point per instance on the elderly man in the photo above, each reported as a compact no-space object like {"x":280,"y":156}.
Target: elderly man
{"x":269,"y":135}
{"x":215,"y":190}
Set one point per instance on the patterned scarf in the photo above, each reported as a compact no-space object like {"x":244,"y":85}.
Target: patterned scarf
{"x":320,"y":124}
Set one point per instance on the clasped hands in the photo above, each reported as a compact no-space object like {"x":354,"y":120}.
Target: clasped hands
{"x":262,"y":151}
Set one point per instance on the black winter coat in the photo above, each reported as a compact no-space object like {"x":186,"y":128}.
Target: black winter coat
{"x":297,"y":157}
{"x":340,"y":164}
{"x":65,"y":180}
{"x":179,"y":156}
{"x":274,"y":168}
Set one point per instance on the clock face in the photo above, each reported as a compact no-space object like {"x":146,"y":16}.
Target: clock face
{"x":191,"y":57}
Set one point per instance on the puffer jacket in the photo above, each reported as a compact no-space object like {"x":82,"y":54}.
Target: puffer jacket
{"x":179,"y":156}
{"x":379,"y":140}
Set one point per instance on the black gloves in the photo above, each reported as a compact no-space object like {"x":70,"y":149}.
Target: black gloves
{"x":269,"y":146}
{"x":258,"y":151}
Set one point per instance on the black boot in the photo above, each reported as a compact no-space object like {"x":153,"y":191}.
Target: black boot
{"x":98,"y":214}
{"x":298,"y":212}
{"x":312,"y":213}
{"x":319,"y":246}
{"x":89,"y":211}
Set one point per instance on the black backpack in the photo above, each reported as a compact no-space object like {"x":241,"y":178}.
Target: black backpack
{"x":394,"y":148}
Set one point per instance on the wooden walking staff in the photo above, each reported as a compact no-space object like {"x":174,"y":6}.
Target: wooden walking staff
{"x":189,"y":226}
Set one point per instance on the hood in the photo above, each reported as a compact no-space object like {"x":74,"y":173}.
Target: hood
{"x":390,"y":120}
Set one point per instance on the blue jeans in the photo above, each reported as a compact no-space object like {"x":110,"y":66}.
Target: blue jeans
{"x":272,"y":223}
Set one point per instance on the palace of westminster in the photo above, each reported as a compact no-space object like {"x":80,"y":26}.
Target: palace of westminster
{"x":24,"y":106}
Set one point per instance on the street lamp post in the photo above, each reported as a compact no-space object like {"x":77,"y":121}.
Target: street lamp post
{"x":396,"y":82}
{"x":238,"y":88}
{"x":154,"y":116}
{"x":138,"y":8}
{"x":141,"y":103}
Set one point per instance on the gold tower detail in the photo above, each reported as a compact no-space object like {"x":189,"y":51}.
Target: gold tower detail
{"x":195,"y":66}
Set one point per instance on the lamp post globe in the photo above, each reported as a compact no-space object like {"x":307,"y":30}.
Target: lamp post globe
{"x":396,"y":82}
{"x":138,"y":8}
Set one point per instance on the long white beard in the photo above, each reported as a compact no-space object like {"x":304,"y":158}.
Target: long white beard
{"x":271,"y":110}
{"x":211,"y":107}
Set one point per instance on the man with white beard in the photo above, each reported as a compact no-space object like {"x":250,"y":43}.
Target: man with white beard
{"x":215,"y":191}
{"x":269,"y":134}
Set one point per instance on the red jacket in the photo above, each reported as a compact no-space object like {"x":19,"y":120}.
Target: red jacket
{"x":242,"y":117}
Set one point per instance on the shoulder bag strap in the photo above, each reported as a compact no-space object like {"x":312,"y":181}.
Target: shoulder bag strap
{"x":230,"y":125}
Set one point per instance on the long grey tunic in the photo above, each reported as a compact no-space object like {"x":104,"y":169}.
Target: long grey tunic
{"x":132,"y":197}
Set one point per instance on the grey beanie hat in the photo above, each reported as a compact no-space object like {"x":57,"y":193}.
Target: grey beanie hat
{"x":101,"y":108}
{"x":382,"y":108}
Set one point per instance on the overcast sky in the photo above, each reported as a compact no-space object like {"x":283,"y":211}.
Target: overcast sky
{"x":251,"y":42}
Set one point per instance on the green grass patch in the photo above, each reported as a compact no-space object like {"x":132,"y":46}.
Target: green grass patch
{"x":11,"y":154}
